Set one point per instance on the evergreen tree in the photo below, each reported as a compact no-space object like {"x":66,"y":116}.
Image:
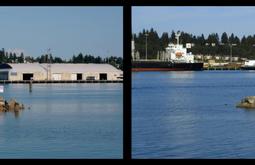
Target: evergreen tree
{"x":224,"y":38}
{"x":164,"y":41}
{"x":172,"y":38}
{"x":232,"y":38}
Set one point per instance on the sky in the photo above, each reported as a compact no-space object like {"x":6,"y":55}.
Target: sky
{"x":65,"y":30}
{"x":195,"y":20}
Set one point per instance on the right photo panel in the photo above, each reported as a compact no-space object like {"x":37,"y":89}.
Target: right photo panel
{"x":193,"y":82}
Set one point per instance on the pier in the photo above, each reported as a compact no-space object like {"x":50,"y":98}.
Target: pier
{"x":57,"y":81}
{"x":222,"y":68}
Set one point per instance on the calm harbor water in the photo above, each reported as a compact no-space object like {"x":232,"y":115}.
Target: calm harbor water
{"x":192,"y":115}
{"x":64,"y":121}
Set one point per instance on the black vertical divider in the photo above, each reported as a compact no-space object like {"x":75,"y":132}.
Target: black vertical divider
{"x":127,"y":81}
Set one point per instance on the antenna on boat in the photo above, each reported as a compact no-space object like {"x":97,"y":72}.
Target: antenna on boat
{"x":177,"y":35}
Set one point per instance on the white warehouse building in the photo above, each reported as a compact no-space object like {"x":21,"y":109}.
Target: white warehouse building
{"x":37,"y":71}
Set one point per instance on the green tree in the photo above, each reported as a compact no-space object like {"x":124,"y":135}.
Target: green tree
{"x":224,"y":38}
{"x":164,"y":41}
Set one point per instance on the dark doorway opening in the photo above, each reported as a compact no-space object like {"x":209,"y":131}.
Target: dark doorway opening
{"x":28,"y":76}
{"x":103,"y":76}
{"x":3,"y":75}
{"x":79,"y":76}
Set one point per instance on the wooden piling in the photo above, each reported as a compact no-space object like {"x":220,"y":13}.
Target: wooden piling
{"x":30,"y":86}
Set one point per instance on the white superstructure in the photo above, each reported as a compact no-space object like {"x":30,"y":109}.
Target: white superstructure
{"x":177,"y":53}
{"x":249,"y":63}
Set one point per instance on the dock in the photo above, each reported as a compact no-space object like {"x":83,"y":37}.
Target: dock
{"x":221,"y":68}
{"x":57,"y":81}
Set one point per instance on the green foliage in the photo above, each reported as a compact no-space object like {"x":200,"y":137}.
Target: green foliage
{"x":214,"y":44}
{"x":6,"y":57}
{"x":224,"y":38}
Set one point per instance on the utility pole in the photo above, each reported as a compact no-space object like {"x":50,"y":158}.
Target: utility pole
{"x":146,"y":35}
{"x":230,"y":53}
{"x":48,"y":65}
{"x":231,"y":45}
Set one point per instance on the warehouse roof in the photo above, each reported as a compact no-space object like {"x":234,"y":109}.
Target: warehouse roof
{"x":5,"y":66}
{"x":75,"y":68}
{"x":68,"y":68}
{"x":29,"y":68}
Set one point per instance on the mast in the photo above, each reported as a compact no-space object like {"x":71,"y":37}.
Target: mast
{"x":177,"y":35}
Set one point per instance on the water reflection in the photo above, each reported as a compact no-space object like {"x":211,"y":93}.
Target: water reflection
{"x":192,"y":115}
{"x":182,"y":74}
{"x":15,"y":113}
{"x":65,"y":121}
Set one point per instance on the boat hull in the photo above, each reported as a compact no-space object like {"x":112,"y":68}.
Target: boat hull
{"x":165,"y":66}
{"x":248,"y":68}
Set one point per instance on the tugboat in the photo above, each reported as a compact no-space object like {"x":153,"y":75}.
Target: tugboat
{"x":175,"y":58}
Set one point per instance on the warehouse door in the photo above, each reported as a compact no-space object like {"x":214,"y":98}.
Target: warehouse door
{"x":3,"y":75}
{"x":56,"y":76}
{"x":73,"y":76}
{"x":103,"y":76}
{"x":28,"y":76}
{"x":79,"y":76}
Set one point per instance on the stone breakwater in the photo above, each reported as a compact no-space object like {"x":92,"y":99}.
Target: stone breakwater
{"x":12,"y":105}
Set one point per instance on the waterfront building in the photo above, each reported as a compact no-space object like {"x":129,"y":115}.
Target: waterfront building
{"x":217,"y":57}
{"x":208,"y":57}
{"x":235,"y":59}
{"x":226,"y":58}
{"x":44,"y":71}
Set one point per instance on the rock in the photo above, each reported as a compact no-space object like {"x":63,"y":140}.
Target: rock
{"x":2,"y":108}
{"x":2,"y":102}
{"x":12,"y":105}
{"x":247,"y":102}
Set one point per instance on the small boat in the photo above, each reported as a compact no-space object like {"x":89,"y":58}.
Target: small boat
{"x":248,"y":65}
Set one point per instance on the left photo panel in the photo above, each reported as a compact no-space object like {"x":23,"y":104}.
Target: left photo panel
{"x":61,"y":82}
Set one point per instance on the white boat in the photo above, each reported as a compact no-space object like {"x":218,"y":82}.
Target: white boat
{"x":249,"y":65}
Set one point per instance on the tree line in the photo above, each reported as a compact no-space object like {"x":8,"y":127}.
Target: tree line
{"x":9,"y":57}
{"x":214,"y":44}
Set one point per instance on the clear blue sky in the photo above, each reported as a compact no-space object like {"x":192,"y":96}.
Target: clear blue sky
{"x":195,"y":20}
{"x":66,"y":30}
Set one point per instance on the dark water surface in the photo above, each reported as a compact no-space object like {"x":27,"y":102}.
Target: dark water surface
{"x":192,"y":115}
{"x":64,"y":121}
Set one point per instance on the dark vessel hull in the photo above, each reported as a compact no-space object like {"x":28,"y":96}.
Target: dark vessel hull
{"x":165,"y":66}
{"x":248,"y":68}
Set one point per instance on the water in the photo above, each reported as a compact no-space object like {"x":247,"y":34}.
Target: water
{"x":192,"y":115}
{"x":64,"y":121}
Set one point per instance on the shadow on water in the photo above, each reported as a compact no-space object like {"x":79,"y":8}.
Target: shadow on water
{"x":248,"y":110}
{"x":15,"y":113}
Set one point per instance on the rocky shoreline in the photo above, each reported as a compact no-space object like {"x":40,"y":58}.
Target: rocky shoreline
{"x":248,"y":102}
{"x":12,"y":105}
